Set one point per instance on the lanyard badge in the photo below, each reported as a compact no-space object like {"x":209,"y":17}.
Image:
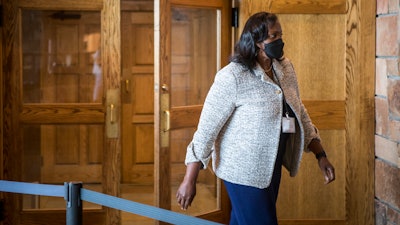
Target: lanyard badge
{"x":288,"y":125}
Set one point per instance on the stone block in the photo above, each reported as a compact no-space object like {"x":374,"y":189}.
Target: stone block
{"x":386,"y":36}
{"x":387,"y":184}
{"x":393,"y":6}
{"x":386,"y":149}
{"x":394,"y":98}
{"x":392,"y":67}
{"x":381,"y":117}
{"x":380,"y":213}
{"x":393,"y":216}
{"x":394,"y":131}
{"x":381,"y":77}
{"x":382,"y":7}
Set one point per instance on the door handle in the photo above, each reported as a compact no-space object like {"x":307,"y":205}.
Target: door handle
{"x":127,"y":86}
{"x":112,"y":113}
{"x":113,"y":106}
{"x":167,"y":121}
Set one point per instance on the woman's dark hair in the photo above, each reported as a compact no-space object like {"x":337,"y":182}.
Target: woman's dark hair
{"x":255,"y":30}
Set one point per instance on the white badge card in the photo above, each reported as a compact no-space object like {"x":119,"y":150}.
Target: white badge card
{"x":288,"y":125}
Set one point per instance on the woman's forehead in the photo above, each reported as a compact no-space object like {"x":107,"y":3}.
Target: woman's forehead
{"x":276,"y":27}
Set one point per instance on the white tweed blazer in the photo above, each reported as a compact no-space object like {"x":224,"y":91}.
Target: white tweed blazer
{"x":240,"y":125}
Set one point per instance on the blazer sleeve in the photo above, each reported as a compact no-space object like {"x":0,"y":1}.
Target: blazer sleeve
{"x":217,"y":108}
{"x":310,"y":130}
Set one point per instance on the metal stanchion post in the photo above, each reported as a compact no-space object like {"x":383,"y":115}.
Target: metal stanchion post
{"x":74,"y":203}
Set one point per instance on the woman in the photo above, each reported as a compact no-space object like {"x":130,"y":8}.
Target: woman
{"x":252,"y":123}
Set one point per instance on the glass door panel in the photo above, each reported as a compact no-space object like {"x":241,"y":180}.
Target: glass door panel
{"x":61,"y":57}
{"x":195,"y":55}
{"x":195,"y":59}
{"x":61,"y":75}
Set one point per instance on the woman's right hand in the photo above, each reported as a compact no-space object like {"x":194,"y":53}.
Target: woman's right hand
{"x":187,"y":189}
{"x":185,"y":194}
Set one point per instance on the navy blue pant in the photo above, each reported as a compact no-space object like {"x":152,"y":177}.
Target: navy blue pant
{"x":254,"y":206}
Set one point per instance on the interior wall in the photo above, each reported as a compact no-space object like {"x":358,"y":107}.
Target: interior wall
{"x":359,"y":32}
{"x":387,"y":117}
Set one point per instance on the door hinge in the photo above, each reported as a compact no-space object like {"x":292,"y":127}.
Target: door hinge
{"x":2,"y":210}
{"x":235,"y":17}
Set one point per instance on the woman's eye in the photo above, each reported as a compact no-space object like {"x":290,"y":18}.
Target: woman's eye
{"x":273,"y":36}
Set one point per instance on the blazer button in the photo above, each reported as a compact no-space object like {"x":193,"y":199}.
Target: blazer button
{"x":278,"y":92}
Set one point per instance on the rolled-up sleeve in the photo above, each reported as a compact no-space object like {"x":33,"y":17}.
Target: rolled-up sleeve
{"x":217,"y":108}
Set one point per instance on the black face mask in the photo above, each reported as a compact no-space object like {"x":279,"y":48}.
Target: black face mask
{"x":274,"y":50}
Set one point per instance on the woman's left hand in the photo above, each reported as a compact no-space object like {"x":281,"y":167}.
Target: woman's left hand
{"x":327,"y":169}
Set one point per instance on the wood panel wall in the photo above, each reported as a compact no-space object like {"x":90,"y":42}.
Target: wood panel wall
{"x":331,"y":42}
{"x":315,"y":45}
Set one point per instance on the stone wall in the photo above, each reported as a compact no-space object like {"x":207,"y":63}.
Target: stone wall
{"x":387,"y":102}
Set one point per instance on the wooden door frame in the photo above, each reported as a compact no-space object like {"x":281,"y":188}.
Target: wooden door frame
{"x":360,"y":111}
{"x":360,"y":93}
{"x":1,"y":102}
{"x":11,"y":153}
{"x":11,"y":170}
{"x":111,"y":65}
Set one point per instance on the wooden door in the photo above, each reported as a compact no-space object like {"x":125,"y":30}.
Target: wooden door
{"x":137,"y":93}
{"x":331,"y":44}
{"x":73,"y":75}
{"x":62,"y":81}
{"x":193,"y":42}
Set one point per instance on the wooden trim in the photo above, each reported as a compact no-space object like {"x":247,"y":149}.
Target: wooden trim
{"x":291,"y":7}
{"x":162,"y":58}
{"x":360,"y":111}
{"x":111,"y":65}
{"x":191,"y":116}
{"x":308,"y":6}
{"x":327,"y":115}
{"x":61,"y":4}
{"x":143,"y":119}
{"x":312,"y":222}
{"x":62,"y":113}
{"x":137,"y":5}
{"x":148,"y":69}
{"x":198,"y":3}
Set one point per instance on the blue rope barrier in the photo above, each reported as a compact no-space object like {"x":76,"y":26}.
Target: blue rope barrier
{"x":105,"y":200}
{"x":32,"y":189}
{"x":142,"y":209}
